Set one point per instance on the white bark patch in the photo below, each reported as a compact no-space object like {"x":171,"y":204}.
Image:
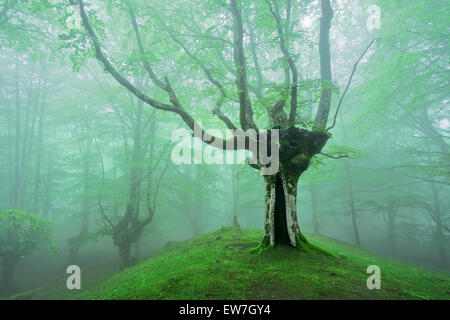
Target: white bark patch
{"x":291,"y":208}
{"x":269,"y":222}
{"x":272,"y":214}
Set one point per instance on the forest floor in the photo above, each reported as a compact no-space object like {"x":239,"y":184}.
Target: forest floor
{"x":225,"y":265}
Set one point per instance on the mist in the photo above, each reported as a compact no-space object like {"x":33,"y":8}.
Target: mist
{"x":93,"y":93}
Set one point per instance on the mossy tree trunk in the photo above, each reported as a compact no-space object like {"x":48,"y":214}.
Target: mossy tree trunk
{"x":297,"y":147}
{"x":126,"y":232}
{"x":124,"y":255}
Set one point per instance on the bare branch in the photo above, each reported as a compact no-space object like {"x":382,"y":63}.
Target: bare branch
{"x":259,"y":77}
{"x":283,"y":42}
{"x":3,"y":13}
{"x":348,"y":84}
{"x":333,"y":157}
{"x":147,"y":66}
{"x":100,"y":196}
{"x":174,"y":107}
{"x":209,"y":76}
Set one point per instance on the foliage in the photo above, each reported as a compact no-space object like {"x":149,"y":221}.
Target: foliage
{"x":21,"y":233}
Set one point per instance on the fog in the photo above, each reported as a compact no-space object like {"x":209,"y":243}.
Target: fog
{"x":92,"y":95}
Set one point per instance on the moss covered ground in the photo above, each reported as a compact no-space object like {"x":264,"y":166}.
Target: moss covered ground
{"x":226,"y":265}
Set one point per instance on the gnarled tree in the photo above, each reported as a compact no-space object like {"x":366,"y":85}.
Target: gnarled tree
{"x":230,"y":42}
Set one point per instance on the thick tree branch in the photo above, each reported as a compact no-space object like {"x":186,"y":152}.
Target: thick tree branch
{"x":246,"y":112}
{"x":174,"y":107}
{"x":216,"y":111}
{"x":147,"y":66}
{"x":109,"y":67}
{"x":3,"y":13}
{"x":325,"y":64}
{"x":284,"y":44}
{"x":253,"y":50}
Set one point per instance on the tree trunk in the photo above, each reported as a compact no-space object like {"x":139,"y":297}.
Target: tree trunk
{"x":314,"y":208}
{"x":74,"y":248}
{"x":391,"y":229}
{"x":37,"y":179}
{"x":124,"y":255}
{"x":17,"y":176}
{"x":10,"y":160}
{"x":352,"y":206}
{"x":48,"y":186}
{"x":195,"y":228}
{"x":137,"y":250}
{"x":76,"y":242}
{"x":440,"y":239}
{"x":9,"y":262}
{"x":281,"y":226}
{"x":235,"y":193}
{"x":236,"y":222}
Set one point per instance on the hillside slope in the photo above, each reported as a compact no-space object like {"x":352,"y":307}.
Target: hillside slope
{"x":225,"y":265}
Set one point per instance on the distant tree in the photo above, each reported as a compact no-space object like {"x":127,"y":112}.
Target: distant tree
{"x":20,"y":234}
{"x":143,"y":181}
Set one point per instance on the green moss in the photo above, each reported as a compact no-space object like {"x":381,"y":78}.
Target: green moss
{"x":223,"y":265}
{"x":303,"y":245}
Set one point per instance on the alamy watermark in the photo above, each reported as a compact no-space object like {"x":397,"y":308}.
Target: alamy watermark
{"x":74,"y":280}
{"x":217,"y":149}
{"x":374,"y":281}
{"x":374,"y":19}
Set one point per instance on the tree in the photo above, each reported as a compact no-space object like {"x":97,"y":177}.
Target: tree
{"x":20,"y":234}
{"x":408,"y":97}
{"x":76,"y":241}
{"x":143,"y":183}
{"x":297,"y":145}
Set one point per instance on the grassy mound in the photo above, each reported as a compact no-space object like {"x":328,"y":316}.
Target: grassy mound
{"x":225,"y":265}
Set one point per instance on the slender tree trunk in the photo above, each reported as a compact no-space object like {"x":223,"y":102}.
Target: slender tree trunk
{"x":74,"y":249}
{"x":235,"y":192}
{"x":439,"y":234}
{"x":9,"y":262}
{"x":195,"y":228}
{"x":391,"y":229}
{"x":10,"y":161}
{"x":37,"y":179}
{"x":352,"y":206}
{"x":16,"y":186}
{"x":48,"y":191}
{"x":314,"y":207}
{"x":24,"y":154}
{"x":76,"y":242}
